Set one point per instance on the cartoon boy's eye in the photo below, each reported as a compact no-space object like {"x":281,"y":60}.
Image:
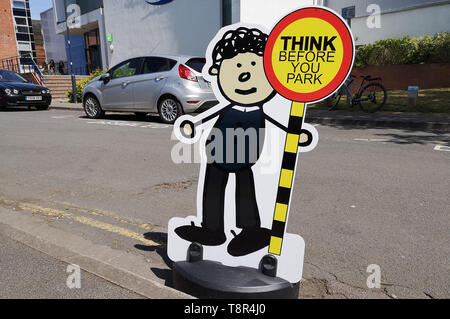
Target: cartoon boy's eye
{"x":253,"y":63}
{"x":239,"y":65}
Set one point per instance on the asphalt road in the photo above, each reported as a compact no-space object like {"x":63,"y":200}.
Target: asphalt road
{"x":364,"y":196}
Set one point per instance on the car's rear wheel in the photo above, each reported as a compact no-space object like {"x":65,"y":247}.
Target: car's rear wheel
{"x":92,"y":108}
{"x":169,"y":109}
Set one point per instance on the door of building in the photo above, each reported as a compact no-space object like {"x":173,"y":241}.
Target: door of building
{"x":93,"y":50}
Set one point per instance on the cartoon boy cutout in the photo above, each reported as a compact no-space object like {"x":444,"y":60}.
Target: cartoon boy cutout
{"x":238,"y":65}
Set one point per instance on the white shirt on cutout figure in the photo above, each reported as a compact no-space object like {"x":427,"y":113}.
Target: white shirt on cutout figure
{"x":242,"y":141}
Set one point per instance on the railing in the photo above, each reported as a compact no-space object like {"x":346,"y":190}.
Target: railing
{"x":23,"y":64}
{"x":77,"y":70}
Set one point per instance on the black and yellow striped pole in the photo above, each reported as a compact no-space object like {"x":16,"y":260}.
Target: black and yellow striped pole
{"x":286,"y":177}
{"x":308,"y":56}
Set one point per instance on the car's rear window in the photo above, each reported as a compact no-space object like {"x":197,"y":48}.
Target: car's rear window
{"x":196,"y":64}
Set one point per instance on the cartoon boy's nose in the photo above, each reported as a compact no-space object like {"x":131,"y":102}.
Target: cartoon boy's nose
{"x":244,"y":77}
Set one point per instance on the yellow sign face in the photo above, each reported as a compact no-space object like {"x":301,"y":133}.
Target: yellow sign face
{"x":308,"y":55}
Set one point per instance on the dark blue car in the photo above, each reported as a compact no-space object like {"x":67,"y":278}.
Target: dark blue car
{"x":17,"y":91}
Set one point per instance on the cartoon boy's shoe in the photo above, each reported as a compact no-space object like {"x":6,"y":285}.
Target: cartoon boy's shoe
{"x":248,"y":241}
{"x":201,"y":235}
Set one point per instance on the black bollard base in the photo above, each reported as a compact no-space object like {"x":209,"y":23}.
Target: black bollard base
{"x":210,"y":279}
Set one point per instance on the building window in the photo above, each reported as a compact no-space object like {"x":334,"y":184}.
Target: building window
{"x":24,"y":46}
{"x":21,"y":29}
{"x":22,"y":53}
{"x":23,"y":26}
{"x":20,"y":12}
{"x":19,"y":4}
{"x":226,"y":12}
{"x":21,"y":21}
{"x":23,"y":37}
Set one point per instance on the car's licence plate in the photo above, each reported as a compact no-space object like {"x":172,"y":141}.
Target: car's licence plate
{"x":33,"y":98}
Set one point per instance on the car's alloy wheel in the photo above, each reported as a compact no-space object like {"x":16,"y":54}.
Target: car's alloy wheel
{"x":92,"y":108}
{"x":169,"y":110}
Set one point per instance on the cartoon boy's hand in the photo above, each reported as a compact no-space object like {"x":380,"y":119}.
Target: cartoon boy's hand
{"x":185,"y":129}
{"x":308,"y":138}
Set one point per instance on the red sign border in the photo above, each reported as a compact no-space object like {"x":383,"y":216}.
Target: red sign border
{"x":347,"y":63}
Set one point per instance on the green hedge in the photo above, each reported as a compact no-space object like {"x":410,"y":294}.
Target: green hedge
{"x":406,"y":50}
{"x":81,"y":84}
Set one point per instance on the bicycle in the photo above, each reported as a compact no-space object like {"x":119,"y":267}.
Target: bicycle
{"x":369,"y":98}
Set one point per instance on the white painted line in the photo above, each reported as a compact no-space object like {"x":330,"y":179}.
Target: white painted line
{"x":371,"y":140}
{"x":62,"y":117}
{"x":128,"y":124}
{"x":442,"y":148}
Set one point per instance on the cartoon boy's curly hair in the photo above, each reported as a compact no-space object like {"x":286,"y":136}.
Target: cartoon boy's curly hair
{"x":234,"y":42}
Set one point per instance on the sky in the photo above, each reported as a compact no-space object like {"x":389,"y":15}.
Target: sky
{"x":38,"y":6}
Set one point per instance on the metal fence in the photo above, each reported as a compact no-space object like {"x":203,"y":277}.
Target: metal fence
{"x":22,"y":64}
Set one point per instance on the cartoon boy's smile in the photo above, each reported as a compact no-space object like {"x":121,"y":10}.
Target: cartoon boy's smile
{"x":246,"y":92}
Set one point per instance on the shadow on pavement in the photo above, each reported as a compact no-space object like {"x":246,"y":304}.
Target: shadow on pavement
{"x":21,"y":109}
{"x":414,"y":139}
{"x":439,"y":130}
{"x":407,"y":122}
{"x":160,"y":238}
{"x":151,"y":118}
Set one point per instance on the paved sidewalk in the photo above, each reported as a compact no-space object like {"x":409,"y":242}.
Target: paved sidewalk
{"x":61,"y":105}
{"x":344,"y":118}
{"x":118,"y":273}
{"x":28,"y":273}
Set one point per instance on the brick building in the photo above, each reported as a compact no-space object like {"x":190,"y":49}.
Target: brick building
{"x":16,"y":30}
{"x":8,"y":45}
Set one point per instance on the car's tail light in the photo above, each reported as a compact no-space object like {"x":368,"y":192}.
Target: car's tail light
{"x":186,"y":74}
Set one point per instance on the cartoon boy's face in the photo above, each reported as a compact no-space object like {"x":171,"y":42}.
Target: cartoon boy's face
{"x":243,"y":80}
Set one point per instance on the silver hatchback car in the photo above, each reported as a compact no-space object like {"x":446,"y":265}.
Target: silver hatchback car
{"x":167,"y":84}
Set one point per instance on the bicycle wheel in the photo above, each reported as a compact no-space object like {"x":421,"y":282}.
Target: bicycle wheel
{"x":333,"y":100}
{"x":372,"y":98}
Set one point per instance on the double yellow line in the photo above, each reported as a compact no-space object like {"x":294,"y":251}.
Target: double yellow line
{"x":52,"y":212}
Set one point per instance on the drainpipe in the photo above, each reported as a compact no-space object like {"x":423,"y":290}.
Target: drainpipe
{"x":102,"y":13}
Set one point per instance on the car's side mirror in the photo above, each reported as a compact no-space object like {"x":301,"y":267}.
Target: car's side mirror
{"x":105,"y":77}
